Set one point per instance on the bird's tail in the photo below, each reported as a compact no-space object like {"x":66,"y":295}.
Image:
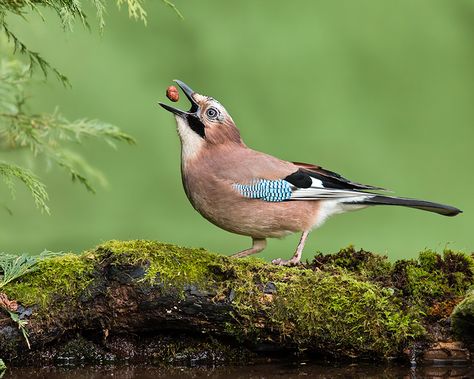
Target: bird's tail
{"x":445,"y":210}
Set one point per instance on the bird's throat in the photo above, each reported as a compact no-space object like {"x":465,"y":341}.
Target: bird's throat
{"x":191,"y":142}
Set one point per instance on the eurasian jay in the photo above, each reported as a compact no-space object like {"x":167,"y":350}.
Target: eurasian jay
{"x":255,"y":194}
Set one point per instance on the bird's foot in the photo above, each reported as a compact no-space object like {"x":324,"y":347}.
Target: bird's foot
{"x":284,"y":262}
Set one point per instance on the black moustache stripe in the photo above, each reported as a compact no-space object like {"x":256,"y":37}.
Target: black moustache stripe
{"x":196,"y":125}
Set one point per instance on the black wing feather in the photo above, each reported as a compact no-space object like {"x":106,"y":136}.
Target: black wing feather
{"x":299,"y":179}
{"x":302,"y":179}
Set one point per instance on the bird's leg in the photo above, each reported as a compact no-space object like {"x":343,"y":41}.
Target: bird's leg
{"x":295,"y":259}
{"x":258,"y":244}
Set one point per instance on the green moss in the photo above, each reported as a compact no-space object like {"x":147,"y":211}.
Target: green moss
{"x":65,"y":277}
{"x":366,"y":265}
{"x":430,"y":260}
{"x":418,"y":283}
{"x":426,"y":289}
{"x":432,"y":278}
{"x":459,"y":270}
{"x":352,"y":302}
{"x":462,"y":318}
{"x":343,"y":314}
{"x":439,"y":276}
{"x":331,"y":311}
{"x":167,"y":264}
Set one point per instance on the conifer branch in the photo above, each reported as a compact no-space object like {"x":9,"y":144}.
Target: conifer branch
{"x":35,"y":59}
{"x":170,"y":4}
{"x":9,"y":171}
{"x":46,"y":136}
{"x":68,"y":12}
{"x":135,"y":9}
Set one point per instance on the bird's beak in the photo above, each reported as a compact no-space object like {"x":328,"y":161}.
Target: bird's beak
{"x":189,"y":94}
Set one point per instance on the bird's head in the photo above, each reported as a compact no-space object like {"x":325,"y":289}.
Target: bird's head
{"x":206,"y":123}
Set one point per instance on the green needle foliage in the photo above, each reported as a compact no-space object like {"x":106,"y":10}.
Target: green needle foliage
{"x":68,"y":11}
{"x":9,"y":172}
{"x":47,"y":135}
{"x":14,"y":266}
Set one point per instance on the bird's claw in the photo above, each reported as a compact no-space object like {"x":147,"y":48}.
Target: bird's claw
{"x":284,"y":262}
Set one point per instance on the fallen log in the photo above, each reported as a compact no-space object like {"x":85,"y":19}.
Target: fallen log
{"x":146,"y":301}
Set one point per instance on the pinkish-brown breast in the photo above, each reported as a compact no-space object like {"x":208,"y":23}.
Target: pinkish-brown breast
{"x":208,"y":181}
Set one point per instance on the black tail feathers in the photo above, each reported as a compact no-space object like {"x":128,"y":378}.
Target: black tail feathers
{"x":445,"y":210}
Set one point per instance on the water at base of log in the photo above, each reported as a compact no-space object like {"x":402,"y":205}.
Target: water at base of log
{"x":268,"y":371}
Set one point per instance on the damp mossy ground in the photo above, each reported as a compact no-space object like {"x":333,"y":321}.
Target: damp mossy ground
{"x":349,"y":303}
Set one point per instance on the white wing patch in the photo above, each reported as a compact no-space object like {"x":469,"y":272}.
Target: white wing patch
{"x":318,"y":191}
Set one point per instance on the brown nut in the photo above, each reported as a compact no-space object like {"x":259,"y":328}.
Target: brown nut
{"x":172,"y":93}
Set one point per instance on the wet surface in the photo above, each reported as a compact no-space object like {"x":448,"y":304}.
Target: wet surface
{"x":267,"y":371}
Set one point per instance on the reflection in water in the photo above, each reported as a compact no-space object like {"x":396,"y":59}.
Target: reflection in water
{"x":267,"y":371}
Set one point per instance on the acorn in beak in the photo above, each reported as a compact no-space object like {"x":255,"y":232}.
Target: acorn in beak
{"x":189,"y":94}
{"x":192,"y":116}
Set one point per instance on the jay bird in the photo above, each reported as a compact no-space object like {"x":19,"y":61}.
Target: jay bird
{"x":255,"y":194}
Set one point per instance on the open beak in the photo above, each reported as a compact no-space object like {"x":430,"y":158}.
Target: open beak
{"x":189,"y":94}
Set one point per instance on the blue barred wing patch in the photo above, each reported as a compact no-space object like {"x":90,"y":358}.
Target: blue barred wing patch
{"x":267,"y":190}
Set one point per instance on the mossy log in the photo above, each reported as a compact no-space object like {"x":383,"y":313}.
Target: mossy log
{"x":160,"y":303}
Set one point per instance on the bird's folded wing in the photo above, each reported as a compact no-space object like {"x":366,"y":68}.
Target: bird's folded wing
{"x":306,"y":183}
{"x":332,"y":179}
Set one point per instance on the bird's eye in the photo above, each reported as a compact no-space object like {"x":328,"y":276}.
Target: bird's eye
{"x":212,"y":113}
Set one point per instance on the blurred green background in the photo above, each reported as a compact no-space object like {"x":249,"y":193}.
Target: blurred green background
{"x":379,"y":91}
